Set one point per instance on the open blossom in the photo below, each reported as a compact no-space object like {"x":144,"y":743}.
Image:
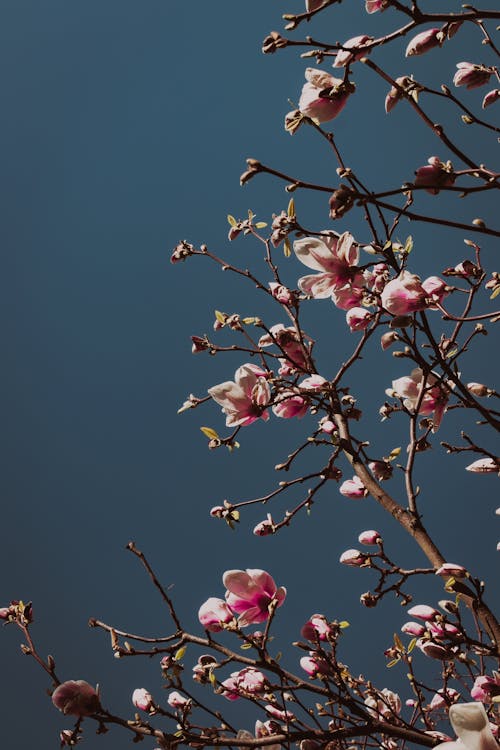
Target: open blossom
{"x":323,"y":97}
{"x":247,"y":681}
{"x":77,"y":698}
{"x":250,"y":593}
{"x":434,"y":400}
{"x":316,"y":627}
{"x":424,"y":41}
{"x":290,"y":404}
{"x":345,"y":56}
{"x":404,"y":295}
{"x":443,"y":698}
{"x":471,"y":76}
{"x":243,"y":400}
{"x":336,"y":258}
{"x":213,"y":614}
{"x":472,"y":727}
{"x":434,"y":175}
{"x":353,"y":488}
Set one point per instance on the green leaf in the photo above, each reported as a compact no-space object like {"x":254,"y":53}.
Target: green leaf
{"x":209,"y":433}
{"x":291,"y":209}
{"x":232,"y":221}
{"x":261,"y":225}
{"x":221,"y":317}
{"x":180,"y":653}
{"x":408,"y":245}
{"x":411,"y":645}
{"x":495,"y":292}
{"x":393,"y":663}
{"x":245,"y":646}
{"x":344,"y":624}
{"x":287,"y":250}
{"x":394,"y":454}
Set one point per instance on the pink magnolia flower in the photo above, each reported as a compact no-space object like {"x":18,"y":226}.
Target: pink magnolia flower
{"x":278,"y":713}
{"x":436,"y":289}
{"x":250,"y":594}
{"x":451,"y":569}
{"x":434,"y":400}
{"x":432,"y":650}
{"x":434,"y":176}
{"x":353,"y":557}
{"x":471,"y":76}
{"x":443,"y":698}
{"x":413,"y":628}
{"x":290,"y":404}
{"x":334,"y":257}
{"x":142,"y":699}
{"x":358,"y":318}
{"x":490,"y":98}
{"x":313,"y":383}
{"x":424,"y":41}
{"x":248,"y":681}
{"x":76,"y":697}
{"x":281,"y":293}
{"x":176,"y":700}
{"x":386,"y":705}
{"x":485,"y":688}
{"x":353,"y":488}
{"x":404,"y":295}
{"x":266,"y":527}
{"x":289,"y":343}
{"x":369,"y":537}
{"x":472,"y":727}
{"x":423,"y":612}
{"x":323,"y":97}
{"x":372,"y":6}
{"x":267,"y":729}
{"x":213,"y":614}
{"x":243,"y":400}
{"x":484,"y":466}
{"x":316,"y":627}
{"x":388,"y":339}
{"x":348,"y":52}
{"x":404,"y":84}
{"x":351,"y":294}
{"x":315,"y":665}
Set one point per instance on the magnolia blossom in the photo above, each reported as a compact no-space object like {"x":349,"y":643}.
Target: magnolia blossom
{"x":317,"y":627}
{"x":404,"y":85}
{"x":369,"y":537}
{"x":290,"y":404}
{"x":490,"y":98}
{"x":486,"y":688}
{"x":345,"y":55}
{"x":290,"y":344}
{"x":381,"y":470}
{"x":77,"y":698}
{"x":247,"y":681}
{"x":484,"y":466}
{"x":353,"y":557}
{"x":323,"y":97}
{"x":471,"y":76}
{"x":385,"y":705}
{"x":142,"y":699}
{"x":413,"y":628}
{"x":336,"y":258}
{"x":315,"y":665}
{"x":281,"y":293}
{"x":423,"y":612}
{"x":313,"y":383}
{"x":404,"y":295}
{"x":278,"y":713}
{"x":372,"y":6}
{"x":267,"y":729}
{"x":213,"y":614}
{"x":176,"y":700}
{"x":243,"y":400}
{"x":472,"y":727}
{"x":443,"y":698}
{"x":432,"y":650}
{"x":435,"y":175}
{"x":424,"y":41}
{"x":434,"y":400}
{"x":436,"y":289}
{"x":451,"y":569}
{"x":358,"y":318}
{"x":250,"y":593}
{"x":353,"y":488}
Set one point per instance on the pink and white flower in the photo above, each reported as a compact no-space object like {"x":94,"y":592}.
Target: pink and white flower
{"x":385,"y":705}
{"x":316,"y":627}
{"x":471,"y":76}
{"x":323,"y":97}
{"x":434,"y":399}
{"x":243,"y":400}
{"x":336,"y":258}
{"x":214,"y":614}
{"x":484,"y":466}
{"x":490,"y":98}
{"x":287,"y":339}
{"x":435,"y":175}
{"x":143,"y":700}
{"x":353,"y":488}
{"x":251,"y":593}
{"x":176,"y":700}
{"x":369,"y":537}
{"x":353,"y":557}
{"x":290,"y":404}
{"x":444,"y":697}
{"x":372,"y":6}
{"x":358,"y":318}
{"x":404,"y":295}
{"x":424,"y":41}
{"x":486,"y":688}
{"x":348,"y":52}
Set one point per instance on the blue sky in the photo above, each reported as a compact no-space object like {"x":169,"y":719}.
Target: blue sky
{"x":125,"y":127}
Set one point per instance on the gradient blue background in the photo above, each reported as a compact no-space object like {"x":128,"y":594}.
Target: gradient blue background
{"x":125,"y":126}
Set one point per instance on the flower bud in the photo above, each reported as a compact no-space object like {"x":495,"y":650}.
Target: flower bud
{"x":76,"y":697}
{"x":381,"y":470}
{"x":143,"y":700}
{"x":433,"y":650}
{"x":353,"y":557}
{"x":471,"y":76}
{"x":490,"y":98}
{"x":213,"y":614}
{"x":478,"y":389}
{"x":450,"y":569}
{"x":423,"y":612}
{"x":176,"y":700}
{"x":484,"y":466}
{"x":424,"y":41}
{"x":413,"y":628}
{"x":369,"y":537}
